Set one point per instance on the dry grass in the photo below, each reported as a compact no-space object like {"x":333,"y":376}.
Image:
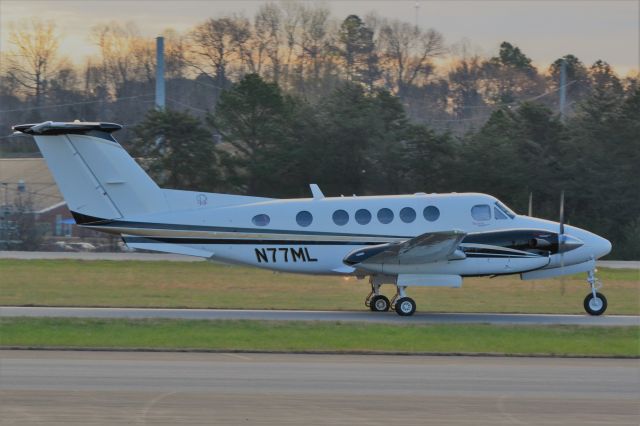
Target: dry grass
{"x":207,"y":285}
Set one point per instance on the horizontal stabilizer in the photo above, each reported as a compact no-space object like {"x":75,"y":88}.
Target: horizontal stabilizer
{"x":143,"y":244}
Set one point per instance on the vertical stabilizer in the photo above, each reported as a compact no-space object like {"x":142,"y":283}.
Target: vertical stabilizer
{"x":96,"y":176}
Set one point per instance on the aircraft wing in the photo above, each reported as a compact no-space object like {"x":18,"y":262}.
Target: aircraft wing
{"x":425,"y":248}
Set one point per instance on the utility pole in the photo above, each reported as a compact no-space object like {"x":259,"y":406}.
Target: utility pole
{"x":417,"y":6}
{"x":160,"y":88}
{"x":563,"y":87}
{"x":5,"y":217}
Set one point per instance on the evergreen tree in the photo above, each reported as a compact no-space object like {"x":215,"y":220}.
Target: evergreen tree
{"x":176,"y":150}
{"x":357,"y":50}
{"x":253,"y":118}
{"x":577,"y":77}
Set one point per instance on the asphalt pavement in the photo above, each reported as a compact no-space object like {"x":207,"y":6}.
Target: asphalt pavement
{"x":343,"y":316}
{"x":112,"y":388}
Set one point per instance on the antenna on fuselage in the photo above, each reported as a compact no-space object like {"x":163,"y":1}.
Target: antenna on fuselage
{"x":316,"y":192}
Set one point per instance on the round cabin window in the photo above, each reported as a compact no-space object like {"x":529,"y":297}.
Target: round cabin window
{"x":431,"y":213}
{"x":363,"y":216}
{"x":385,"y":215}
{"x":407,"y":215}
{"x":261,"y":220}
{"x":340,"y":217}
{"x":304,"y":218}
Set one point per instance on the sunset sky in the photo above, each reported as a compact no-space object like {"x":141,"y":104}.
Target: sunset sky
{"x":544,"y":30}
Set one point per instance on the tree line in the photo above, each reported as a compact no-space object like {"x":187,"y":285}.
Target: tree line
{"x":363,"y":105}
{"x":358,"y":142}
{"x":298,"y":46}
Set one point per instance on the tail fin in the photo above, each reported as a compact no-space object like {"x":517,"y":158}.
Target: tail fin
{"x":96,"y":176}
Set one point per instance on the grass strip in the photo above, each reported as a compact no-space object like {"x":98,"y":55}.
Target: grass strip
{"x":212,"y":285}
{"x":319,"y":337}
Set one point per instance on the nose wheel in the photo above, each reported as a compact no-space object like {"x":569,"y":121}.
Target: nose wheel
{"x":595,"y":303}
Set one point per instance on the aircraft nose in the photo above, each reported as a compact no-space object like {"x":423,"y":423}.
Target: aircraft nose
{"x":601,"y":246}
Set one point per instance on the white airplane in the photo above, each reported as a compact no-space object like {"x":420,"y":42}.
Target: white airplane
{"x":404,"y":240}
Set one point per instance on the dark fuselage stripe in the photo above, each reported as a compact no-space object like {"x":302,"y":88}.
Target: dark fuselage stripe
{"x":261,"y":242}
{"x":503,"y":256}
{"x":218,"y":241}
{"x":178,"y":227}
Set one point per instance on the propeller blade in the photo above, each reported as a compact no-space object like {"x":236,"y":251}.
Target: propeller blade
{"x":531,"y":204}
{"x":561,"y":241}
{"x":562,"y":213}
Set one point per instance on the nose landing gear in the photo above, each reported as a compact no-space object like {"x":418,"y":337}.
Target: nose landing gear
{"x":595,"y":303}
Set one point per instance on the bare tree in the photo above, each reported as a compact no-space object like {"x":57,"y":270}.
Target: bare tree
{"x":268,"y":33}
{"x":214,"y":46}
{"x":249,"y":50}
{"x":24,"y":232}
{"x":313,"y":37}
{"x":292,"y":12}
{"x":33,"y":59}
{"x":176,"y":47}
{"x":120,"y":48}
{"x":407,"y":52}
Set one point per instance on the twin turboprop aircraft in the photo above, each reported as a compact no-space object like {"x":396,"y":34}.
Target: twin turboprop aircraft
{"x":407,"y":241}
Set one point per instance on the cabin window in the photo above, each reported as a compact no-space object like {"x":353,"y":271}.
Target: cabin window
{"x":363,"y":216}
{"x":407,"y":215}
{"x":304,"y":218}
{"x":481,"y":212}
{"x":340,"y":217}
{"x":497,"y":213}
{"x":385,"y":215}
{"x":261,"y":220}
{"x":431,"y":213}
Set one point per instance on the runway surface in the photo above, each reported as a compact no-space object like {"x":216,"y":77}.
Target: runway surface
{"x":348,"y":316}
{"x":111,"y":388}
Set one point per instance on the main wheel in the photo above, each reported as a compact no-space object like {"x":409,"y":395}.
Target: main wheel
{"x":379,"y":303}
{"x":405,"y":306}
{"x":595,"y":305}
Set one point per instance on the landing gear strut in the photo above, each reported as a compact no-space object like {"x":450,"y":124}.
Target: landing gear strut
{"x":375,"y":301}
{"x":595,"y":303}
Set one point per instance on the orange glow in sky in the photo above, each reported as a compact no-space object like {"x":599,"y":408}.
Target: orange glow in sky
{"x":544,"y":30}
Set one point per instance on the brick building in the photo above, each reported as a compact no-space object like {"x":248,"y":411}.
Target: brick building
{"x":28,"y":182}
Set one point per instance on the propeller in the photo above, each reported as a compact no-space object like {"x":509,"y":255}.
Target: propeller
{"x":531,"y":204}
{"x":561,"y":243}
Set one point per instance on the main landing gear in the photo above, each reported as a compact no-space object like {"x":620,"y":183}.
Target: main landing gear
{"x":401,"y":303}
{"x":375,"y":301}
{"x":595,"y":303}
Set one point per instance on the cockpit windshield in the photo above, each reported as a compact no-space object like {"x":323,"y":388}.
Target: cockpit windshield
{"x":504,"y":209}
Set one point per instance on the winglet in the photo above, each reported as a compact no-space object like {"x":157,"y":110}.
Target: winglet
{"x":316,"y":192}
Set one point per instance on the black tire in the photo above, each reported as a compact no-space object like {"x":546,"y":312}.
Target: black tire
{"x":379,"y":303}
{"x":405,"y":306}
{"x":592,"y":306}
